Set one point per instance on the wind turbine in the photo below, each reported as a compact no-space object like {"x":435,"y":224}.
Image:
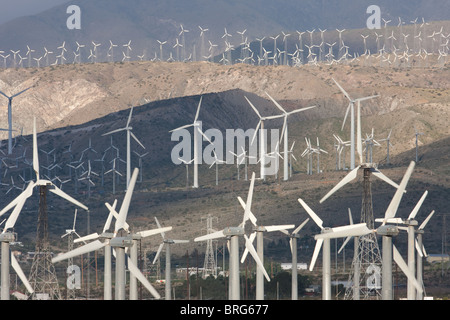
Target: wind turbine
{"x":284,"y":132}
{"x":233,"y":233}
{"x":323,"y":239}
{"x":10,"y":99}
{"x":167,"y":242}
{"x":114,"y":171}
{"x":128,"y":129}
{"x":352,"y":125}
{"x":262,"y":136}
{"x":258,"y":232}
{"x":118,"y":242}
{"x":43,"y":185}
{"x":389,"y":250}
{"x":216,"y":161}
{"x":6,"y":257}
{"x":196,"y":124}
{"x":388,"y":144}
{"x":40,"y":182}
{"x":293,"y":245}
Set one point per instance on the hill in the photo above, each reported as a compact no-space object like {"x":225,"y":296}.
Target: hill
{"x":145,"y":22}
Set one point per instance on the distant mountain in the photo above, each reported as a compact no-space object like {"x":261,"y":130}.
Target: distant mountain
{"x":144,"y":22}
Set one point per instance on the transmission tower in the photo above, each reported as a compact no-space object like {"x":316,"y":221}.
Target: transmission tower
{"x":42,"y":275}
{"x":365,"y":275}
{"x":210,"y":265}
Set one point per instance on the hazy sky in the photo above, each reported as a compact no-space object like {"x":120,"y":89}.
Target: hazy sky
{"x":11,"y":9}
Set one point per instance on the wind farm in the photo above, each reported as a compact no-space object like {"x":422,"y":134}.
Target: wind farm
{"x":264,"y":133}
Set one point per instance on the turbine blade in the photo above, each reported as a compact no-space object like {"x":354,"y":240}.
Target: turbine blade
{"x":253,"y":107}
{"x":343,"y":91}
{"x":366,"y":98}
{"x":251,"y":216}
{"x":92,"y":246}
{"x":276,"y":103}
{"x":300,"y":227}
{"x":158,"y":252}
{"x":344,"y":244}
{"x":354,"y":230}
{"x":182,"y":127}
{"x":110,"y":216}
{"x":19,"y":271}
{"x":245,"y":253}
{"x":92,"y":236}
{"x":64,"y":195}
{"x":349,"y":177}
{"x":198,"y":109}
{"x":15,"y":213}
{"x":345,"y":117}
{"x":404,"y":267}
{"x":255,"y":256}
{"x":138,"y":274}
{"x":395,"y":202}
{"x":424,"y":223}
{"x":383,"y":177}
{"x":317,"y":248}
{"x":129,"y":117}
{"x":152,"y":232}
{"x":279,"y":227}
{"x":137,"y":140}
{"x":120,"y":222}
{"x":114,"y":131}
{"x":413,"y":213}
{"x":311,"y":213}
{"x":213,"y":235}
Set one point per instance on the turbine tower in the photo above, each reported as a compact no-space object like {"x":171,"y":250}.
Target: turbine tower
{"x":351,"y":108}
{"x":10,"y":99}
{"x":210,"y":264}
{"x":130,"y":134}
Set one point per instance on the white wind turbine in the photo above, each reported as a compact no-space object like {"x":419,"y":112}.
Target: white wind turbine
{"x":10,"y":129}
{"x":111,"y":50}
{"x":167,"y":242}
{"x":119,"y":243}
{"x":216,"y":162}
{"x":6,"y":257}
{"x":197,"y":144}
{"x":258,"y":233}
{"x":262,"y":136}
{"x":389,"y":250}
{"x":284,"y":132}
{"x":161,"y":43}
{"x":130,"y":134}
{"x":79,"y":46}
{"x":352,"y":125}
{"x":127,"y":55}
{"x":293,"y":245}
{"x":323,"y":239}
{"x":341,"y":145}
{"x":40,"y":182}
{"x":388,"y":144}
{"x":233,"y":233}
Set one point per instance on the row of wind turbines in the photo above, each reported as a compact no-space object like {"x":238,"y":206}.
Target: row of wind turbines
{"x":232,"y":232}
{"x":397,"y":49}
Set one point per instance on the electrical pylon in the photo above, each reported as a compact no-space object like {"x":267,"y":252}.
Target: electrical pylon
{"x":365,"y":275}
{"x":210,"y":265}
{"x":42,"y":275}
